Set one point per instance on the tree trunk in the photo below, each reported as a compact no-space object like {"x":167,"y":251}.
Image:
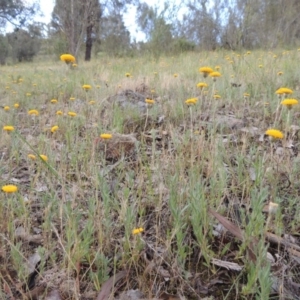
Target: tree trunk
{"x":88,"y":43}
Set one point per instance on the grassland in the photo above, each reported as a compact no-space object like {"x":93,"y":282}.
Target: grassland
{"x":215,"y":198}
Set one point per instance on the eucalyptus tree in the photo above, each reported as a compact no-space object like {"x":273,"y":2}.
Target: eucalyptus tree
{"x":16,"y":12}
{"x":80,"y":21}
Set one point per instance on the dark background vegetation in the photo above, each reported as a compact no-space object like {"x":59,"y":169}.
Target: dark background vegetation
{"x":92,"y":27}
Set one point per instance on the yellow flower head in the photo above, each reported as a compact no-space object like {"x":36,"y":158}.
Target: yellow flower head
{"x":127,"y":74}
{"x":205,"y":71}
{"x":53,"y":101}
{"x":274,"y":133}
{"x":279,"y":73}
{"x":6,"y":108}
{"x":86,"y":87}
{"x":16,"y":105}
{"x":289,"y":102}
{"x":137,"y":230}
{"x":246,"y":95}
{"x":284,"y":91}
{"x":8,"y":128}
{"x":217,"y":96}
{"x":201,"y":85}
{"x":106,"y":136}
{"x":74,"y":65}
{"x":72,"y":98}
{"x":72,"y":114}
{"x":175,"y":75}
{"x":191,"y":101}
{"x":31,"y":156}
{"x":54,"y":128}
{"x":33,"y":112}
{"x":67,"y":58}
{"x":149,"y":101}
{"x":217,"y":68}
{"x":9,"y":188}
{"x":215,"y":74}
{"x":59,"y":113}
{"x":92,"y":102}
{"x":28,"y":94}
{"x":98,"y":86}
{"x":43,"y":157}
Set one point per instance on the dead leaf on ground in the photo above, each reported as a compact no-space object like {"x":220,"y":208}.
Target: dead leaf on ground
{"x":226,"y":264}
{"x":53,"y":295}
{"x":20,"y":233}
{"x":107,"y":287}
{"x":131,"y":295}
{"x":236,"y":231}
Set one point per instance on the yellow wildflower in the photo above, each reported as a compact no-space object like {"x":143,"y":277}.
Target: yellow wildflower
{"x":6,"y":108}
{"x":59,"y":113}
{"x":205,"y":71}
{"x":246,"y":95}
{"x":106,"y":136}
{"x":43,"y":157}
{"x":74,"y":65}
{"x":16,"y":105}
{"x":86,"y":87}
{"x":289,"y":102}
{"x":202,"y":85}
{"x":215,"y":74}
{"x":54,"y":128}
{"x":279,"y":73}
{"x":10,"y":188}
{"x":274,"y":133}
{"x":72,"y":98}
{"x":53,"y":101}
{"x":33,"y":112}
{"x":92,"y":102}
{"x":127,"y":74}
{"x":283,"y":91}
{"x":8,"y":128}
{"x":72,"y":114}
{"x":217,"y":96}
{"x":67,"y":58}
{"x":149,"y":101}
{"x":191,"y":101}
{"x":31,"y":156}
{"x":137,"y":230}
{"x":175,"y":75}
{"x":217,"y":68}
{"x":28,"y":94}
